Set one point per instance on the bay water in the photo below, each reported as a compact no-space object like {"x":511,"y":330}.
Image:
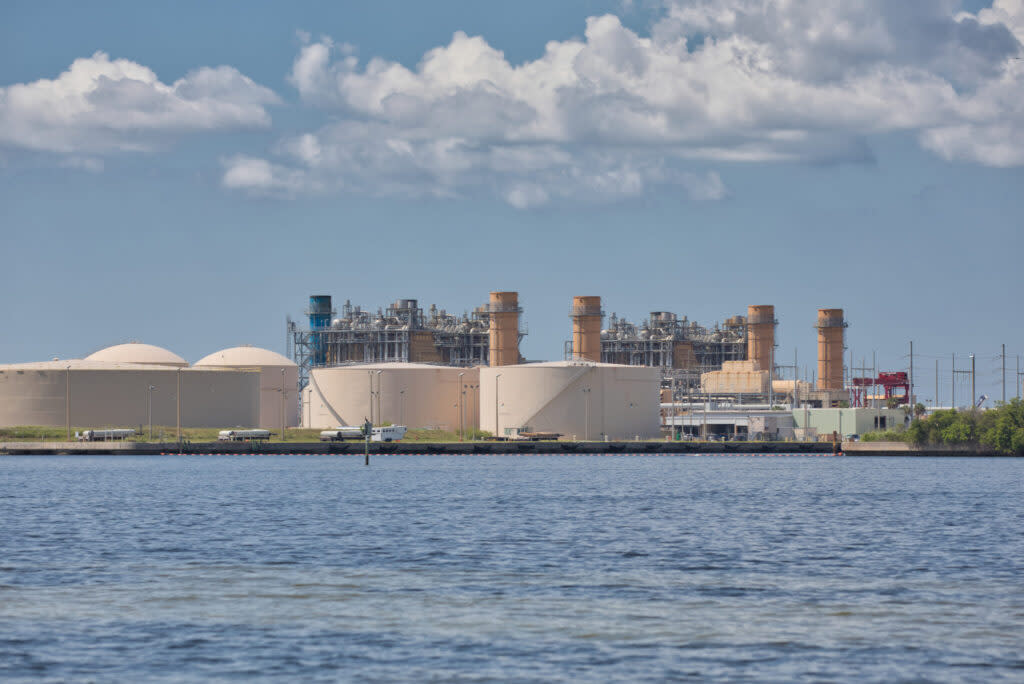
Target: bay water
{"x":511,"y":568}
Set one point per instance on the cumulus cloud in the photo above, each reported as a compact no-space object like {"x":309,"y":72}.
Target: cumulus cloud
{"x":615,"y":113}
{"x":101,"y":105}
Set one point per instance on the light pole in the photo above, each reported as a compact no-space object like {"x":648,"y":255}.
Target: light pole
{"x":586,"y":422}
{"x":496,"y":433}
{"x":67,"y":399}
{"x":370,"y":399}
{"x":150,"y":411}
{"x":462,"y":412}
{"x":283,"y":393}
{"x":380,"y":413}
{"x":401,"y":407}
{"x":179,"y":408}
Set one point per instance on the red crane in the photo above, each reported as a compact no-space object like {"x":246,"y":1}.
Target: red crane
{"x":889,"y":381}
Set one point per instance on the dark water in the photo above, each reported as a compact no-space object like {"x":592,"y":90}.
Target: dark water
{"x":624,"y":568}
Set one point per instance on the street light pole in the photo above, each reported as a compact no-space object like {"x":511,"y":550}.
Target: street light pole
{"x":401,"y":407}
{"x":370,"y":397}
{"x":67,"y":400}
{"x":462,"y":412}
{"x":283,"y":393}
{"x":586,"y":423}
{"x":496,"y":433}
{"x":380,"y":391}
{"x":151,"y":388}
{"x":179,"y":408}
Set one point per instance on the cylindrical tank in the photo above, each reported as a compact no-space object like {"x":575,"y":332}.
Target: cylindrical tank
{"x":586,"y":328}
{"x":831,"y":334}
{"x":761,"y":335}
{"x":504,"y":328}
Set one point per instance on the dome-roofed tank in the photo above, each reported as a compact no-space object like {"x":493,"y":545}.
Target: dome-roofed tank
{"x":137,"y":352}
{"x":244,"y":356}
{"x":279,"y":381}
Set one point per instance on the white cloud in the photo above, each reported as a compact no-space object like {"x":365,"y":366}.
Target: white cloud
{"x":614,"y":113}
{"x":101,"y":105}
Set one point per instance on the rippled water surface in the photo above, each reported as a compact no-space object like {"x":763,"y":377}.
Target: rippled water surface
{"x":511,"y":568}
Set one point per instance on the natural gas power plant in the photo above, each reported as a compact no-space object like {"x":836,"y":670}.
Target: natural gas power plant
{"x":464,"y":372}
{"x":435,"y":369}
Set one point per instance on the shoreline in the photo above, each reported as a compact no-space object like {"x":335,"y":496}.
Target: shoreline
{"x":42,"y":448}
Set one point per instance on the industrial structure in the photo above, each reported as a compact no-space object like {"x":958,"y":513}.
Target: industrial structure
{"x":403,"y":333}
{"x":576,"y":399}
{"x":681,"y":348}
{"x":128,"y":385}
{"x":417,"y":395}
{"x":279,"y":379}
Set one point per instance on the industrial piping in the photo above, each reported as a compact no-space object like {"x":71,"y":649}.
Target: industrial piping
{"x":586,"y":317}
{"x":831,"y":345}
{"x":504,"y":328}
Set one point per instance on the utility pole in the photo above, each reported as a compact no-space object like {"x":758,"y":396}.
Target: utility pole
{"x":952,"y":384}
{"x":974,"y":396}
{"x":936,"y":383}
{"x":910,"y":399}
{"x":380,"y":413}
{"x":1003,"y":355}
{"x":370,"y":396}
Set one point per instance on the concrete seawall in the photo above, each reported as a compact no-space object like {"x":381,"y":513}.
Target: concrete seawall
{"x":467,"y":448}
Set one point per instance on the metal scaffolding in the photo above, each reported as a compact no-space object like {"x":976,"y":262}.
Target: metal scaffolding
{"x":400,"y":333}
{"x":683,"y":349}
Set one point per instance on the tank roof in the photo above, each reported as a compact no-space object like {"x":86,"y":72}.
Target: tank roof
{"x":244,"y":356}
{"x":138,"y":353}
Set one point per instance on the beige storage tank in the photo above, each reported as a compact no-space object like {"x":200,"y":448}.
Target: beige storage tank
{"x":761,"y":335}
{"x":578,"y":399}
{"x":586,"y":317}
{"x":137,"y":352}
{"x":279,"y":381}
{"x":831,"y":346}
{"x":504,"y":328}
{"x":95,"y":394}
{"x":414,"y":394}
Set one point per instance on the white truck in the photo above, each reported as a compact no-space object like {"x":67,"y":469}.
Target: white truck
{"x":242,"y":435}
{"x":105,"y":435}
{"x":388,"y":433}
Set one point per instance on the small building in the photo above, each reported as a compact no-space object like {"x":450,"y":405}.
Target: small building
{"x":850,"y":421}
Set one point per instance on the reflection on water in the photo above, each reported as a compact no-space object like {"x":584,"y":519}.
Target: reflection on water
{"x":511,"y":568}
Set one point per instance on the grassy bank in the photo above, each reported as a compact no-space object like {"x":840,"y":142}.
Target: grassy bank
{"x":163,"y":433}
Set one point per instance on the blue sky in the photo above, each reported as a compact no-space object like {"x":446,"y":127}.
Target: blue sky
{"x":215,"y":165}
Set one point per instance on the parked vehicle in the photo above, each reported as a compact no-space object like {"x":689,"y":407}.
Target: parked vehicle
{"x":388,"y":433}
{"x":242,"y":435}
{"x":342,"y":432}
{"x":105,"y":435}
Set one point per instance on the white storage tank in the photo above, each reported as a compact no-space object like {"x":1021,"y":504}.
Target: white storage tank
{"x":580,"y":399}
{"x":279,"y":381}
{"x":413,"y":394}
{"x":100,"y":394}
{"x":138,"y":352}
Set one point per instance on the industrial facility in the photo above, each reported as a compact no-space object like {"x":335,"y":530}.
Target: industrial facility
{"x":137,"y":384}
{"x":465,"y":373}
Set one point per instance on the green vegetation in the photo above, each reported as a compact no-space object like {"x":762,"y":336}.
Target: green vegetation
{"x":1000,"y":429}
{"x":425,"y":435}
{"x":884,"y":436}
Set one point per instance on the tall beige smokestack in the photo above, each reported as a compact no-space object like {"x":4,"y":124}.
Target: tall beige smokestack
{"x":586,"y":328}
{"x":831,"y":343}
{"x":504,"y":329}
{"x":761,"y":335}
